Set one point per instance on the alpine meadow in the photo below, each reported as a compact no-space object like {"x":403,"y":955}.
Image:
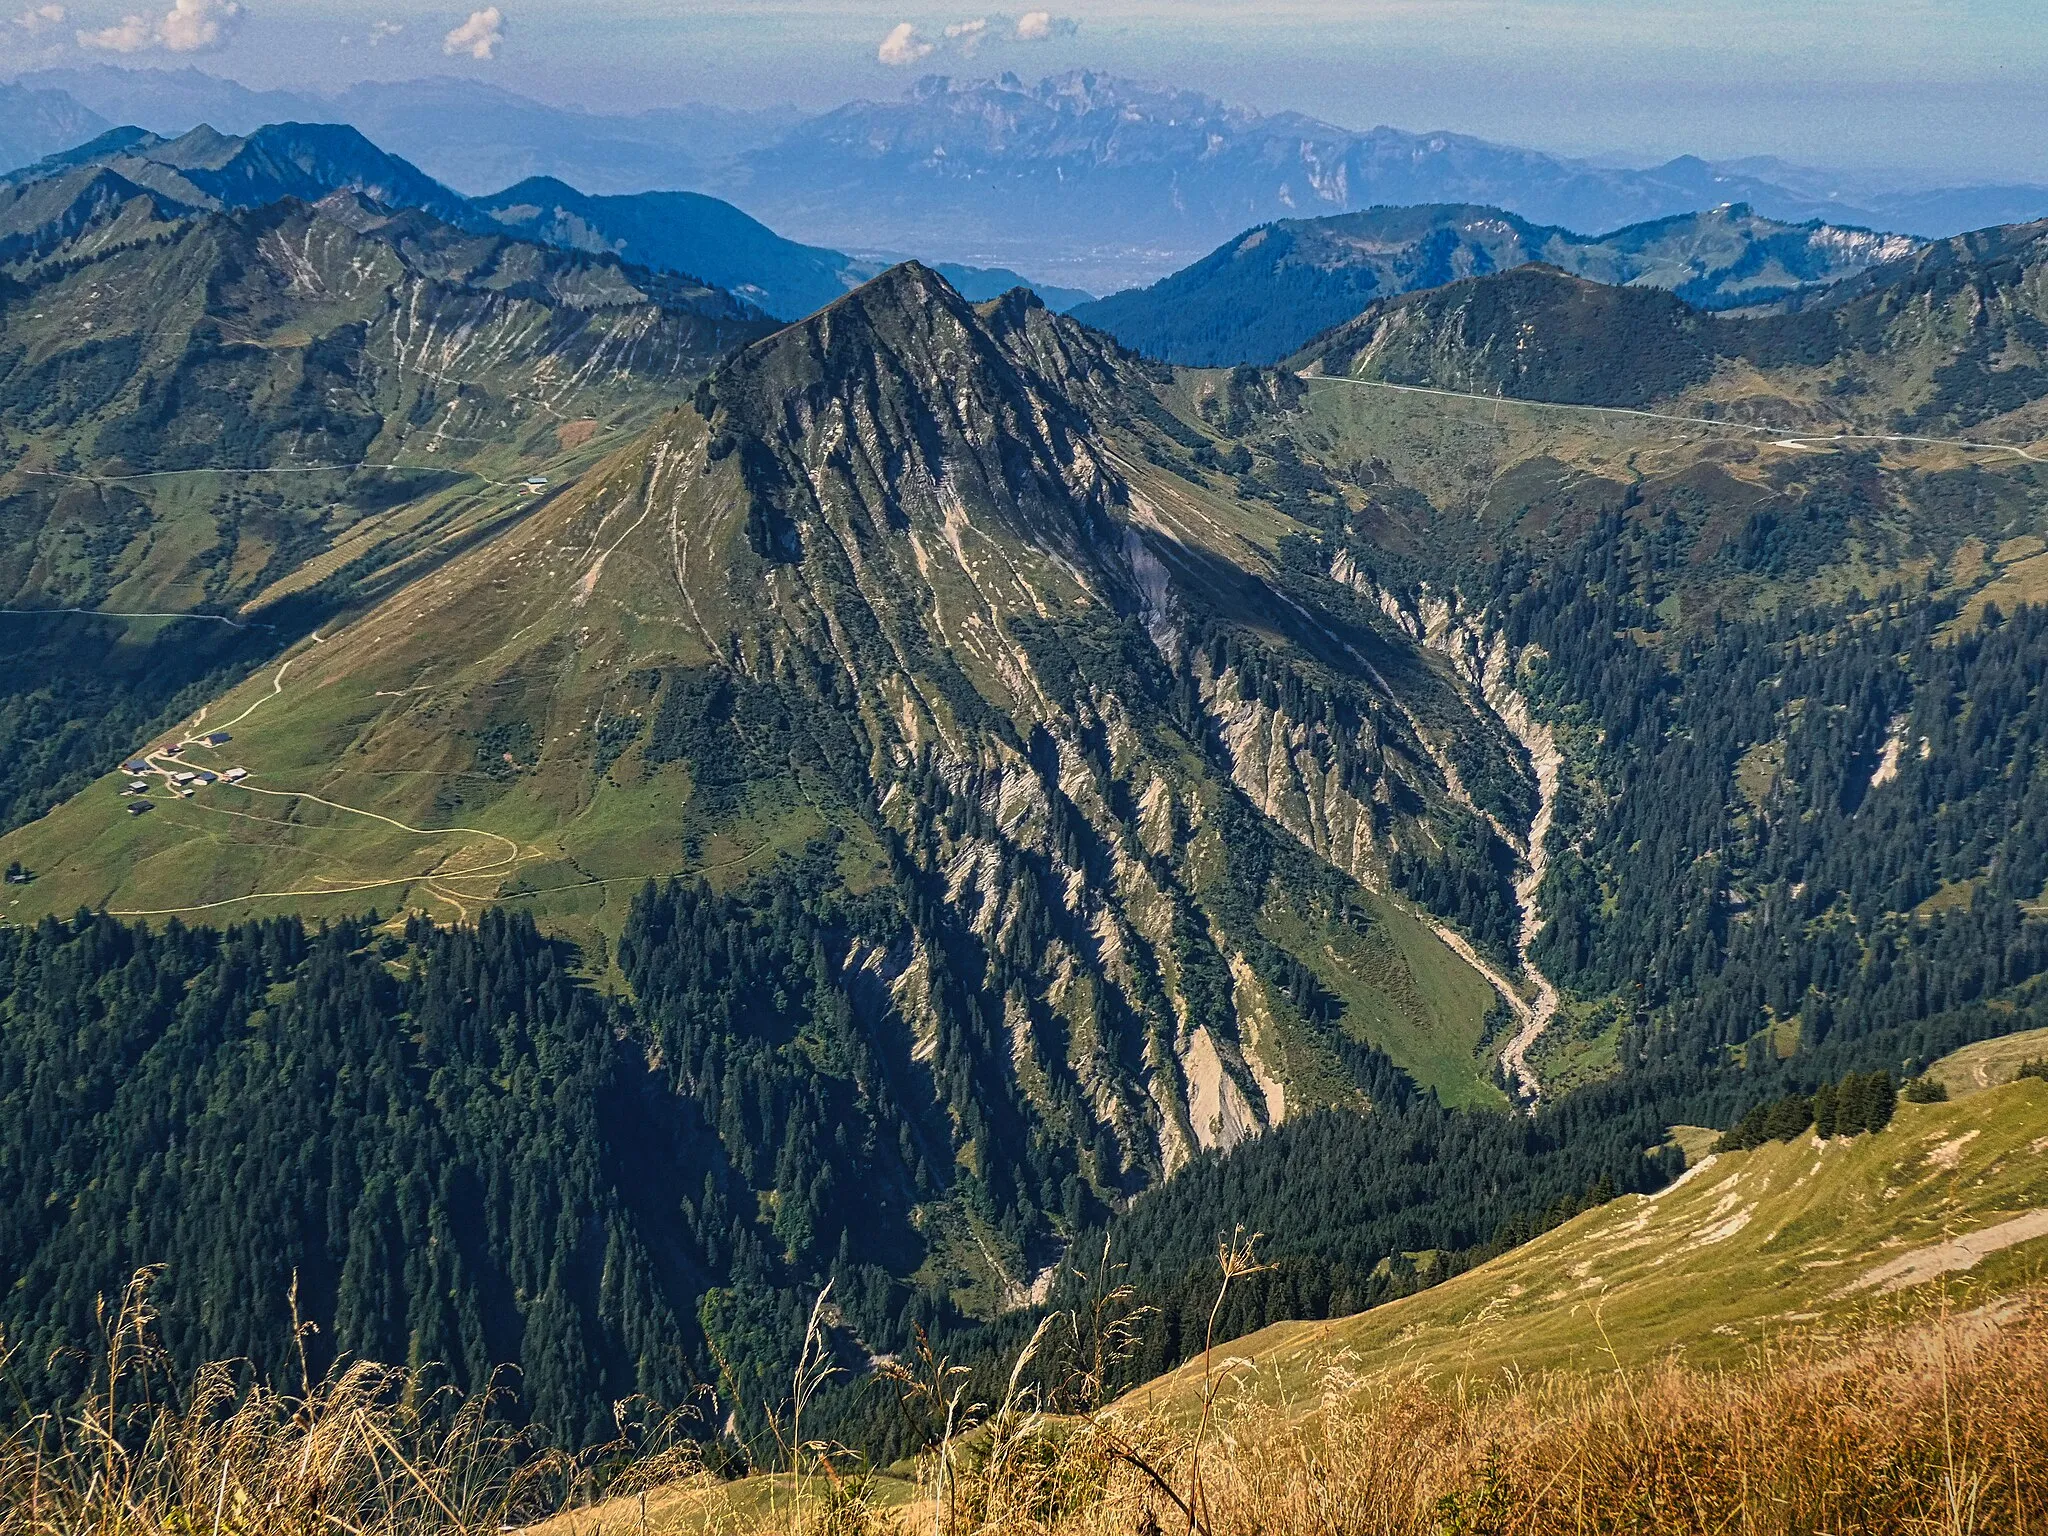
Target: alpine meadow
{"x":682,"y":857}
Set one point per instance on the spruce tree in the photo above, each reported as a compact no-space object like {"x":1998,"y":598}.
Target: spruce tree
{"x":1824,"y":1111}
{"x":1880,"y":1098}
{"x":1850,"y":1109}
{"x":1788,"y":1118}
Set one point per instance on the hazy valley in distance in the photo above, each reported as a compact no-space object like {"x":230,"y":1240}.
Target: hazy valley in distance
{"x":1035,"y":805}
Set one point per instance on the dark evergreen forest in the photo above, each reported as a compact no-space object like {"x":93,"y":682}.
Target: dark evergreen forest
{"x":1834,"y":818}
{"x":461,"y":1155}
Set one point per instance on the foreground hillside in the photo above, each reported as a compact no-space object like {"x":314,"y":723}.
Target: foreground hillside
{"x":1840,"y":1335}
{"x":1745,"y":1249}
{"x":1655,"y":1353}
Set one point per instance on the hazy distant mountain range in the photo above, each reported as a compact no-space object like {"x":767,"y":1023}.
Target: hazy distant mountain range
{"x":1130,"y":175}
{"x":1256,"y":299}
{"x":473,"y":136}
{"x":48,"y":204}
{"x":1099,"y":182}
{"x":37,"y":122}
{"x":711,"y":239}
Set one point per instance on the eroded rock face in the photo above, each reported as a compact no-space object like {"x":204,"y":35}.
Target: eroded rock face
{"x":1481,"y":659}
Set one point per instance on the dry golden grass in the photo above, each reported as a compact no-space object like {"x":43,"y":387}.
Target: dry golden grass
{"x":372,"y":1450}
{"x":1938,"y":1426}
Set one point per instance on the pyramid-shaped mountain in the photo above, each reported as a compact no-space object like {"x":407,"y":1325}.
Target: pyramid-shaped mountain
{"x":905,"y":624}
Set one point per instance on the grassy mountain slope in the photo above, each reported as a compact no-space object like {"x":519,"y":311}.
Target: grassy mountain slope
{"x":311,"y":341}
{"x":1749,"y":1247}
{"x":1990,"y":1063}
{"x":76,"y":211}
{"x":216,"y":413}
{"x":1271,"y":290}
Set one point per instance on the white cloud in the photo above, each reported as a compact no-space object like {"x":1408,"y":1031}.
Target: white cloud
{"x":132,"y":34}
{"x":187,"y":27}
{"x":381,"y":30}
{"x":191,"y":25}
{"x":968,"y":35}
{"x":479,"y":36}
{"x":903,"y":46}
{"x":1042,"y":26}
{"x":38,"y":17}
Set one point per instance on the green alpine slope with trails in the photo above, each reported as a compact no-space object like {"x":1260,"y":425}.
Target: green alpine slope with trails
{"x":261,"y":417}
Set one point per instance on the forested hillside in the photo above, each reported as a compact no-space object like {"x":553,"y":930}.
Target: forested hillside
{"x":461,"y":1154}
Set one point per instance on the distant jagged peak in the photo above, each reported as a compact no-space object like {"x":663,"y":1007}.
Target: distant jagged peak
{"x":204,"y":148}
{"x":211,"y":169}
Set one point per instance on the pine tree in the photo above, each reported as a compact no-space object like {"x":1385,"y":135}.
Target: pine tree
{"x":1788,"y":1117}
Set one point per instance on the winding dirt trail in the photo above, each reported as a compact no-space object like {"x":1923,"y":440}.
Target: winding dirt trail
{"x":429,"y":878}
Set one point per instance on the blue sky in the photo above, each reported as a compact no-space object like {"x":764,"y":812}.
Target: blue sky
{"x":1949,"y":88}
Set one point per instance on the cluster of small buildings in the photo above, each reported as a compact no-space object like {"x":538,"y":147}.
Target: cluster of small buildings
{"x":184,"y":782}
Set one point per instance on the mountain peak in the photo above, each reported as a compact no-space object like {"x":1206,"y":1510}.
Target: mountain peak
{"x":908,"y":282}
{"x":902,"y":406}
